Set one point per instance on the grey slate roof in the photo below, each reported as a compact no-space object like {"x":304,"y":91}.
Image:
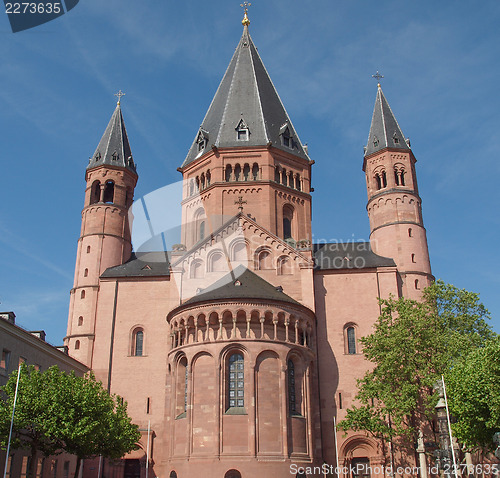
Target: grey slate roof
{"x":241,"y":283}
{"x":384,"y":130}
{"x":348,"y":255}
{"x":146,"y":264}
{"x":246,"y":93}
{"x":114,"y":148}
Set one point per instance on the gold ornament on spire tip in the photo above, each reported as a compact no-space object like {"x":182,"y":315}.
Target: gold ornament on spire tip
{"x":245,"y":22}
{"x":119,"y":95}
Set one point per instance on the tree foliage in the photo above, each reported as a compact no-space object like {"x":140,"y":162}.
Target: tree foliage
{"x":58,"y":411}
{"x":412,"y":345}
{"x":473,"y":388}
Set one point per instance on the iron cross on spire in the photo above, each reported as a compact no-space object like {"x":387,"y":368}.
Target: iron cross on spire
{"x":240,"y":203}
{"x":378,"y":76}
{"x":119,"y":95}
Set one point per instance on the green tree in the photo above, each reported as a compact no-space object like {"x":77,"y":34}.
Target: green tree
{"x":60,"y":412}
{"x":473,"y":389}
{"x":413,"y":343}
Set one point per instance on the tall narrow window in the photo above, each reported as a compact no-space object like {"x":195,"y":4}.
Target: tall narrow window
{"x":88,"y":249}
{"x":417,"y":286}
{"x":255,"y":172}
{"x":85,"y":273}
{"x":229,"y":172}
{"x":109,"y":192}
{"x":66,"y":469}
{"x":246,"y":172}
{"x":5,"y":359}
{"x":292,"y":404}
{"x":277,"y":175}
{"x":351,"y":340}
{"x":237,"y":172}
{"x":80,"y":321}
{"x":77,"y":345}
{"x":236,"y":387}
{"x":384,"y":179}
{"x":396,"y":177}
{"x":287,"y":222}
{"x":284,"y":178}
{"x":202,"y":230}
{"x":379,"y":181}
{"x":209,"y":177}
{"x":82,"y":294}
{"x":409,"y":232}
{"x":138,"y":343}
{"x":413,"y":258}
{"x":95,"y":192}
{"x":402,"y":178}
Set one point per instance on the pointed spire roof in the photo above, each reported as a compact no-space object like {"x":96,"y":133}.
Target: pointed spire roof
{"x":246,"y":109}
{"x":114,"y":148}
{"x":384,"y":131}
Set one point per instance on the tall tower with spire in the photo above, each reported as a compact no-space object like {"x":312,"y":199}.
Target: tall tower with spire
{"x":247,"y":146}
{"x":394,"y":205}
{"x":105,"y":238}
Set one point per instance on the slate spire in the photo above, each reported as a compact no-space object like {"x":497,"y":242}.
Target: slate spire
{"x":114,"y":148}
{"x":384,"y":130}
{"x":246,"y":110}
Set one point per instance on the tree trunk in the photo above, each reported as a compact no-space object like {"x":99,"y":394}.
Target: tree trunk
{"x":78,"y":465}
{"x":32,"y":468}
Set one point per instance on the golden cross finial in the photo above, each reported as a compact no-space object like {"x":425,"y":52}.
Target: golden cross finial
{"x":245,"y":6}
{"x":378,"y":76}
{"x":119,"y":95}
{"x":240,"y":203}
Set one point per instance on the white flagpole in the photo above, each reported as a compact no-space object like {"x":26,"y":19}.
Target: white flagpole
{"x":336,"y":447}
{"x":147,"y":449}
{"x":449,"y":427}
{"x":12,"y":422}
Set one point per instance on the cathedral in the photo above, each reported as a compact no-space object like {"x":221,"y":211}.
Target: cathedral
{"x":238,"y":347}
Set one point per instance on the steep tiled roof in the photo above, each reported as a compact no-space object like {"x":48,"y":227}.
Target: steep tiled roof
{"x":348,"y":255}
{"x":114,"y":148}
{"x":246,"y":98}
{"x":384,"y":130}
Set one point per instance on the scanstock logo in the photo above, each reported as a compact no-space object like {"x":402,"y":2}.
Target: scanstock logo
{"x":25,"y":15}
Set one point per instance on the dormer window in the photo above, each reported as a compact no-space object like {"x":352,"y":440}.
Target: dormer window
{"x":242,"y":131}
{"x":286,"y":138}
{"x":375,"y":141}
{"x":395,"y":138}
{"x":114,"y":156}
{"x":97,"y":156}
{"x":202,"y":140}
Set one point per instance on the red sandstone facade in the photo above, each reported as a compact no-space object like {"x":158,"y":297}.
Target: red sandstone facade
{"x":237,"y":349}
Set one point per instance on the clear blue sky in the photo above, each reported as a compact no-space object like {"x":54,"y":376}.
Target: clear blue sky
{"x":441,"y":62}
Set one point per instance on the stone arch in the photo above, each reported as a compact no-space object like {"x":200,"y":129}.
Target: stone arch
{"x":217,"y":261}
{"x":284,"y":265}
{"x":95,"y":192}
{"x":263,"y":258}
{"x":357,"y":446}
{"x":238,"y":250}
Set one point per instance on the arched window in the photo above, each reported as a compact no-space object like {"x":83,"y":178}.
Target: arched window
{"x":255,"y":171}
{"x":232,"y":474}
{"x":237,"y":172}
{"x":291,"y":388}
{"x":409,"y":232}
{"x":298,"y":187}
{"x":284,"y":266}
{"x":86,"y":273}
{"x":80,"y":321}
{"x":246,"y":172}
{"x":95,"y":192}
{"x":277,"y":175}
{"x":109,"y":192}
{"x":379,"y":181}
{"x":290,"y":179}
{"x":82,"y":294}
{"x":384,"y":179}
{"x":181,"y":388}
{"x":417,"y":286}
{"x":173,"y":474}
{"x":196,"y":270}
{"x":199,"y":225}
{"x":413,"y":258}
{"x":239,"y":252}
{"x":351,"y":340}
{"x":396,"y":177}
{"x":209,"y":177}
{"x":287,"y":221}
{"x":236,"y":381}
{"x":202,"y":230}
{"x":264,"y":260}
{"x":284,"y":178}
{"x":402,"y":178}
{"x":138,"y":343}
{"x":217,"y":262}
{"x":202,"y":181}
{"x":77,"y":345}
{"x":229,"y":171}
{"x":88,"y":249}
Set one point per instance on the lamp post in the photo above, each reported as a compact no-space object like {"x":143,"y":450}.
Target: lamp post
{"x":443,"y":454}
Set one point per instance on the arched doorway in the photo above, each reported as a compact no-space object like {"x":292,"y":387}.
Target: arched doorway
{"x":232,"y":474}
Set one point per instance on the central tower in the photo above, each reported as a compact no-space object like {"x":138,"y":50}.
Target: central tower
{"x":247,"y":146}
